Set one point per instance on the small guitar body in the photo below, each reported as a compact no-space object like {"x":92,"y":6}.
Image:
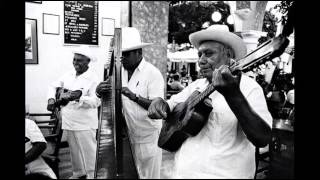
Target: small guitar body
{"x":184,"y":121}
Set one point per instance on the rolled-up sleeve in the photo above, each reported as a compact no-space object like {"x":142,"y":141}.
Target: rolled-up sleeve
{"x":33,"y":132}
{"x":156,"y":86}
{"x":181,"y":96}
{"x":258,"y":103}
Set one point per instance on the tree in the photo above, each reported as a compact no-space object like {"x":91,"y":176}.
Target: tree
{"x":269,"y":26}
{"x":284,"y":7}
{"x":186,"y":17}
{"x":269,"y":22}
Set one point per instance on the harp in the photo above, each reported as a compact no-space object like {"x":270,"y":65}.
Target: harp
{"x":113,"y":151}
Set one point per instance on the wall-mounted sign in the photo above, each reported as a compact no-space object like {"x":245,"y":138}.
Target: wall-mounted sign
{"x":81,"y":22}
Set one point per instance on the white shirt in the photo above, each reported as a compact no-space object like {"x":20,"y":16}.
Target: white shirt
{"x":221,"y":149}
{"x":82,"y":115}
{"x":32,"y":135}
{"x":147,"y":82}
{"x":290,"y":96}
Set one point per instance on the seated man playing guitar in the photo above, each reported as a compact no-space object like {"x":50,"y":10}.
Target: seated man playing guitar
{"x":238,"y":122}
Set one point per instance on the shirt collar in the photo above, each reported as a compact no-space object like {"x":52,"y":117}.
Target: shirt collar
{"x":142,"y":64}
{"x":84,"y":75}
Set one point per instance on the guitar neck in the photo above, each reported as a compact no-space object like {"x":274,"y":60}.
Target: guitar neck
{"x":210,"y":88}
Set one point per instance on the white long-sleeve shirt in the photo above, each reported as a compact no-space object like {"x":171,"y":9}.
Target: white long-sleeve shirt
{"x":221,"y":149}
{"x":82,"y":115}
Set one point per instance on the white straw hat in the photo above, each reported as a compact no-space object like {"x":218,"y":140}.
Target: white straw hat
{"x":221,"y":34}
{"x":86,"y":51}
{"x":131,"y":39}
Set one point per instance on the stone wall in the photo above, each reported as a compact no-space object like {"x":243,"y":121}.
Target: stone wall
{"x":151,"y":19}
{"x":255,"y":17}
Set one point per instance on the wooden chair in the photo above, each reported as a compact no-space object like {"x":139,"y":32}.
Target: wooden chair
{"x":262,"y":157}
{"x":52,"y":131}
{"x":282,"y":155}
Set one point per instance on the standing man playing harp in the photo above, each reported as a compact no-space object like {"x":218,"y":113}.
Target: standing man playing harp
{"x":239,"y":120}
{"x":79,"y":112}
{"x":141,"y":82}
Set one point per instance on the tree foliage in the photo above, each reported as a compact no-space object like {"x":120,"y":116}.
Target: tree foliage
{"x":269,"y":22}
{"x":269,"y":26}
{"x":186,"y":17}
{"x":283,"y":7}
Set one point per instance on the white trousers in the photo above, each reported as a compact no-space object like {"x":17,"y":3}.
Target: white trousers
{"x":83,"y":145}
{"x":148,"y":158}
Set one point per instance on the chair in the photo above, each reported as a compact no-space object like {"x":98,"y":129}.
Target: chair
{"x":282,"y":155}
{"x":52,"y":131}
{"x":263,"y":156}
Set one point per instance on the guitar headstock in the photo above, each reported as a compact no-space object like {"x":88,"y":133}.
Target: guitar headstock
{"x":265,"y":52}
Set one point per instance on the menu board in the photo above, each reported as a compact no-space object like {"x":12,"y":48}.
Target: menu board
{"x":81,"y":22}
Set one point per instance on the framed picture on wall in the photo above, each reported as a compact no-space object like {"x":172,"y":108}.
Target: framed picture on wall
{"x":51,"y":24}
{"x":108,"y":26}
{"x":31,"y":41}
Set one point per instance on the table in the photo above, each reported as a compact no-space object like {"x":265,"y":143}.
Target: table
{"x":282,"y":150}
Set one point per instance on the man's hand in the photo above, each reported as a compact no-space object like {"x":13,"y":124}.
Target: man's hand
{"x":51,"y":105}
{"x":103,"y":87}
{"x":158,"y":109}
{"x":127,"y":92}
{"x":64,"y":99}
{"x":225,"y":82}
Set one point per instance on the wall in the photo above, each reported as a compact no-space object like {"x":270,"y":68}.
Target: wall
{"x":248,"y":15}
{"x":151,"y":18}
{"x":55,"y":58}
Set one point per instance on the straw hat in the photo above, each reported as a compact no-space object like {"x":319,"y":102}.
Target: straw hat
{"x":131,"y":39}
{"x":86,"y":51}
{"x":221,"y":34}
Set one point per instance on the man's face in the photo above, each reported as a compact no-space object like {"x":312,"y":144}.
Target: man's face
{"x":80,"y":63}
{"x":129,"y":59}
{"x":211,"y":56}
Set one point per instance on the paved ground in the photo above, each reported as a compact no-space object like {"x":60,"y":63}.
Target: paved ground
{"x":166,"y":168}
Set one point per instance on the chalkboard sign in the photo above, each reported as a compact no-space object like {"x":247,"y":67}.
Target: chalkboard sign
{"x":81,"y":22}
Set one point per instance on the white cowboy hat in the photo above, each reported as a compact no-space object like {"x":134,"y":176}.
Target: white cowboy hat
{"x":131,"y":39}
{"x":221,"y":34}
{"x":86,"y":51}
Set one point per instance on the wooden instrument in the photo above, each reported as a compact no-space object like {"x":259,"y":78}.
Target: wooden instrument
{"x":110,"y":152}
{"x":188,"y":118}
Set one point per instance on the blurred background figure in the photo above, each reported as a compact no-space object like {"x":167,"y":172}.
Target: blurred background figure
{"x":176,"y":84}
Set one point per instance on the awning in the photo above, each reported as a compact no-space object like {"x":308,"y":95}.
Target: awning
{"x":189,"y":56}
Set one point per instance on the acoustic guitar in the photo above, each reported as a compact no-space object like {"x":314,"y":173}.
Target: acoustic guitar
{"x":188,"y":118}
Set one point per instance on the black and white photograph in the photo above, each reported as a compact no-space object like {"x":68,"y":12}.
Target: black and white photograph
{"x":160,"y":90}
{"x":31,"y":41}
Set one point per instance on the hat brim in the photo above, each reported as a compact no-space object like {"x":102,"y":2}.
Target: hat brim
{"x":90,"y":56}
{"x":142,"y":45}
{"x":228,"y":38}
